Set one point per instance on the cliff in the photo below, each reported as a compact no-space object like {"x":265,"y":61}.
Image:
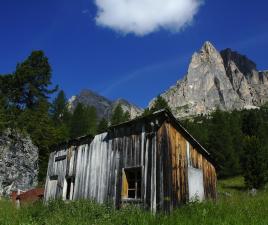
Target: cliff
{"x":226,"y":80}
{"x":18,"y":162}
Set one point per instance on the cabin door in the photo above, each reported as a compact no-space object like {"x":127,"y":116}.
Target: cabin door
{"x":196,"y":184}
{"x":68,"y":188}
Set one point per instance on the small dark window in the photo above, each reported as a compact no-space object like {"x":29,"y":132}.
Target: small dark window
{"x":60,"y":158}
{"x":54,"y":177}
{"x":133,"y":180}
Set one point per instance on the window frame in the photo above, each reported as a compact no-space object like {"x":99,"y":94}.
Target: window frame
{"x":137,"y":171}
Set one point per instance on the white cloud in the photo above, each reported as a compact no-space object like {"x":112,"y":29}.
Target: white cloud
{"x":142,"y":17}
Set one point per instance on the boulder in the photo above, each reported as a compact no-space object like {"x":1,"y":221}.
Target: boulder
{"x":18,"y":162}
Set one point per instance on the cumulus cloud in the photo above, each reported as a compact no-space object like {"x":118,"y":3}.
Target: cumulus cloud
{"x":142,"y":17}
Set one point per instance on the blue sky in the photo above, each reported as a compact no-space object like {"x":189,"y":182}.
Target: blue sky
{"x":88,"y":49}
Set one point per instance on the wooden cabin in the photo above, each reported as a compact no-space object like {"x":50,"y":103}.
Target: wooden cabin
{"x":152,"y":161}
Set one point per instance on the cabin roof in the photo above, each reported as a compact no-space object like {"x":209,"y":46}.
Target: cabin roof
{"x":164,"y":113}
{"x":169,"y":116}
{"x":74,"y":141}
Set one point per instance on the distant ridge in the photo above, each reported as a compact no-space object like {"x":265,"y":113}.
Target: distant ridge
{"x":103,"y":105}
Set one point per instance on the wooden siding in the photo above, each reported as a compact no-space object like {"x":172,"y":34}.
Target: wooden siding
{"x":210,"y":177}
{"x":155,"y":146}
{"x":137,"y":147}
{"x":174,"y":184}
{"x":180,"y":164}
{"x":56,"y":172}
{"x":124,"y":193}
{"x":94,"y":167}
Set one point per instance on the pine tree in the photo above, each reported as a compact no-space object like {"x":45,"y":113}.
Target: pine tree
{"x":77,"y":126}
{"x":3,"y":118}
{"x":102,"y":126}
{"x":31,"y":81}
{"x":91,"y":119}
{"x":255,"y":167}
{"x":220,"y":144}
{"x":59,"y":110}
{"x":6,"y":82}
{"x":26,"y":93}
{"x":160,"y":103}
{"x":59,"y":106}
{"x":119,"y":116}
{"x":39,"y":125}
{"x":199,"y":128}
{"x":251,"y":122}
{"x":126,"y":116}
{"x":83,"y":121}
{"x":146,"y":112}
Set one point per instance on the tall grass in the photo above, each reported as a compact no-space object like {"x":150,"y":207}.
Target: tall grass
{"x":234,"y":209}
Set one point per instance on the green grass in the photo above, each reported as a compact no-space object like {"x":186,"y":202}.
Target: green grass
{"x":234,"y":206}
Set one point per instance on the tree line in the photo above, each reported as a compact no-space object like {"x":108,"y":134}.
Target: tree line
{"x":26,"y":105}
{"x":237,"y":140}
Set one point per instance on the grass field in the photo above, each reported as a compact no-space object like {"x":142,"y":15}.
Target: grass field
{"x":234,"y":206}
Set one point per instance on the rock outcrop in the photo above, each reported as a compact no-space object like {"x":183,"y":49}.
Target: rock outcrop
{"x":103,"y":105}
{"x":224,"y":80}
{"x":250,"y":84}
{"x":18,"y":163}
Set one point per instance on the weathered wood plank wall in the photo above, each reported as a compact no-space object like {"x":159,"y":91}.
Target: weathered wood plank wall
{"x":156,"y":147}
{"x":93,"y":167}
{"x":180,"y":164}
{"x":137,"y":147}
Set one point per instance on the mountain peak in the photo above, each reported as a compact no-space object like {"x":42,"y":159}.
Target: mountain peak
{"x":226,"y":80}
{"x":207,"y":54}
{"x":103,"y":105}
{"x":208,"y":48}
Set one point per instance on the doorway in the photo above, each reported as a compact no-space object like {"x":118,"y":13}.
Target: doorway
{"x":69,"y":188}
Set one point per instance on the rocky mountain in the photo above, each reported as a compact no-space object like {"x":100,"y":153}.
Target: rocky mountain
{"x":18,"y":162}
{"x":103,"y":105}
{"x":224,"y":80}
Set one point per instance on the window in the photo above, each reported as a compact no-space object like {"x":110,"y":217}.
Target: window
{"x":131,"y":183}
{"x":55,"y":177}
{"x":60,"y":158}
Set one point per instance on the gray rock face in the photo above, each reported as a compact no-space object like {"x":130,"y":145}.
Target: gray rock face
{"x":103,"y":105}
{"x":225,"y":80}
{"x":249,"y":83}
{"x":18,"y":163}
{"x":133,"y":110}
